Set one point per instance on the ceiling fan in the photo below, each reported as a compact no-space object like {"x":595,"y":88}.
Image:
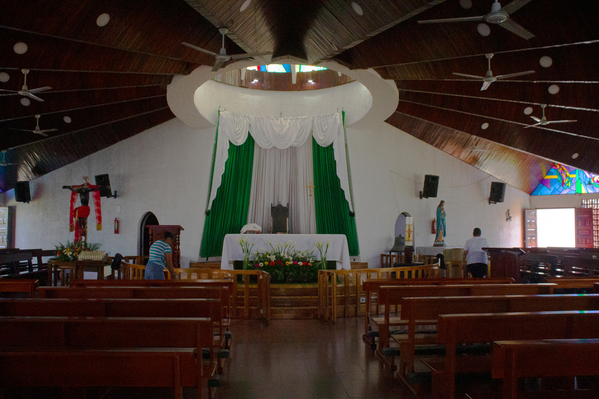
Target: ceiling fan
{"x":498,"y":15}
{"x":3,"y":162}
{"x":543,"y":121}
{"x":489,"y":78}
{"x":25,"y":91}
{"x":37,"y":129}
{"x":222,"y":56}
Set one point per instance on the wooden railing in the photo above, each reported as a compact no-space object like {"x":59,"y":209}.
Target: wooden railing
{"x":329,"y":282}
{"x":239,"y":277}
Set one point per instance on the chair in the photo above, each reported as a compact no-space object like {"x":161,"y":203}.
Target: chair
{"x":116,"y":266}
{"x":280,"y":218}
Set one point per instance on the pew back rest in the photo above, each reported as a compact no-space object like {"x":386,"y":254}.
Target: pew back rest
{"x":106,"y":332}
{"x":429,"y":308}
{"x":487,"y":327}
{"x":112,"y":307}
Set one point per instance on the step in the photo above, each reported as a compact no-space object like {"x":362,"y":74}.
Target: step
{"x":278,"y":313}
{"x":294,"y":301}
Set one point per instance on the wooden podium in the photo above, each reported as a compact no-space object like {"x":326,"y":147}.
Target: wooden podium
{"x":505,"y":262}
{"x":157,"y":232}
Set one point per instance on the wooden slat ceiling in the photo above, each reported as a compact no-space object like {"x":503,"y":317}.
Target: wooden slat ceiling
{"x":111,"y":81}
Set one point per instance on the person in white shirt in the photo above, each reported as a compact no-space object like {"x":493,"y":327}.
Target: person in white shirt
{"x":475,"y":257}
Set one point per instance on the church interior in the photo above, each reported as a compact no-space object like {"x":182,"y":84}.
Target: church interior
{"x":299,"y":146}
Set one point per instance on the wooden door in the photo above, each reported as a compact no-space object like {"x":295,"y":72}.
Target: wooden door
{"x":584,"y":227}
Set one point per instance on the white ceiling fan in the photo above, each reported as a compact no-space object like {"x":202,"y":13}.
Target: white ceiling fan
{"x":543,"y":121}
{"x":25,"y":91}
{"x":489,"y":78}
{"x":37,"y":129}
{"x":3,"y":162}
{"x":222,"y":56}
{"x":498,"y":15}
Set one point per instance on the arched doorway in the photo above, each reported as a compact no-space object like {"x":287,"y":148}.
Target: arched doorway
{"x":148,"y":219}
{"x":400,"y":226}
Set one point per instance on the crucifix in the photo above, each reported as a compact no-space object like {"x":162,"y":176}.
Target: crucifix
{"x":310,"y":186}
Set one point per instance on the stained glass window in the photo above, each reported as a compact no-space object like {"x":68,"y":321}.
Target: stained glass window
{"x":563,"y":179}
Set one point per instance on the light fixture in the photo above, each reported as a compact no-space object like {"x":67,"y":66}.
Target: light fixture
{"x":245,"y":5}
{"x":575,"y":155}
{"x":25,"y":101}
{"x":20,"y":48}
{"x":528,"y":111}
{"x":484,"y":126}
{"x":102,"y":20}
{"x":545,"y":61}
{"x":466,"y":4}
{"x":358,"y":10}
{"x":483,"y":29}
{"x":4,"y":77}
{"x":67,"y":119}
{"x":553,"y":89}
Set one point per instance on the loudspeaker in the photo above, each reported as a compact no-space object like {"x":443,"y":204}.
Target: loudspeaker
{"x":497,"y":192}
{"x":431,"y":183}
{"x":22,"y":193}
{"x":104,"y":182}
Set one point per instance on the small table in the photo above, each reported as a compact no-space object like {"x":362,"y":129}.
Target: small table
{"x":77,"y":267}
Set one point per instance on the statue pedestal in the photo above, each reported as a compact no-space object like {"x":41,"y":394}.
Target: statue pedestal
{"x":438,"y":244}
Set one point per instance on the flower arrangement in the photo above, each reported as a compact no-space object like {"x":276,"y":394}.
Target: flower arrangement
{"x":286,"y":264}
{"x":70,"y":251}
{"x":246,"y":248}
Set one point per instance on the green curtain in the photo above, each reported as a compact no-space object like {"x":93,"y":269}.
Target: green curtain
{"x":230,"y":208}
{"x":332,"y":209}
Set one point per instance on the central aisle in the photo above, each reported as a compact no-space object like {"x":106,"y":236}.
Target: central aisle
{"x":304,"y":359}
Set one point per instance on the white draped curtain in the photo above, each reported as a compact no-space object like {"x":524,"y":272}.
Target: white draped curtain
{"x":282,"y":162}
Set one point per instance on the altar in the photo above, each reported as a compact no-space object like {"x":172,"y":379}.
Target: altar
{"x":338,"y":248}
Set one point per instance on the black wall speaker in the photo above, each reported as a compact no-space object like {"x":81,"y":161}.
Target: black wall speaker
{"x":22,"y":193}
{"x":497,"y":192}
{"x":104,"y":182}
{"x":431,"y":183}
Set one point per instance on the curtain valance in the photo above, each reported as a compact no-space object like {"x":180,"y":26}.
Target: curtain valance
{"x":282,"y":133}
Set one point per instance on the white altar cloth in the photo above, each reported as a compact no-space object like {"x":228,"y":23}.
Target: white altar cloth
{"x":431,"y":251}
{"x":338,"y":248}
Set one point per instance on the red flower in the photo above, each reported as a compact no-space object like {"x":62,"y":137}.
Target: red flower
{"x":272,"y":263}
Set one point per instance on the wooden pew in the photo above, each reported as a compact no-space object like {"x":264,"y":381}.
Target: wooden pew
{"x":10,"y":285}
{"x":154,"y":367}
{"x":12,"y":261}
{"x":218,"y":291}
{"x":372,"y":286}
{"x":52,"y":333}
{"x":573,"y":282}
{"x":426,"y":310}
{"x":392,"y":296}
{"x":458,"y":329}
{"x":521,"y":359}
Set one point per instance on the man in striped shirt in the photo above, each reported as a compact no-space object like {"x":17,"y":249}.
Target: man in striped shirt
{"x":161,"y":256}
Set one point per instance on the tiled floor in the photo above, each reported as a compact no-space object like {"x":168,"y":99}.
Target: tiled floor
{"x":305,"y":359}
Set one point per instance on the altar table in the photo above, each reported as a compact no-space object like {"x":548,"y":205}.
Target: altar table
{"x":338,"y":248}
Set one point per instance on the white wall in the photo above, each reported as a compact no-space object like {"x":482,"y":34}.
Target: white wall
{"x":166,"y":169}
{"x":388,"y":168}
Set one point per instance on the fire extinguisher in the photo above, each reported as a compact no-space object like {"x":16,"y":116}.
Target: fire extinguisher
{"x":116,"y":225}
{"x":434,"y":227}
